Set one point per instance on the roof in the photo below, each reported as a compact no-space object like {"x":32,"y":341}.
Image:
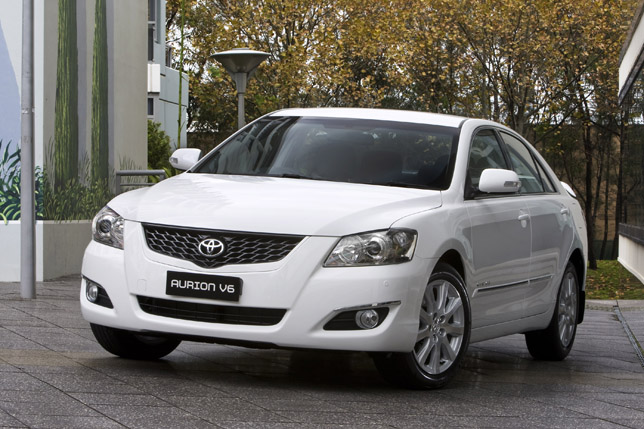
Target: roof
{"x":377,"y":114}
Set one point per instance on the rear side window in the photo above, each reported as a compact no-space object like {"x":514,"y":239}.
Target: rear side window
{"x":530,"y":173}
{"x":547,"y":184}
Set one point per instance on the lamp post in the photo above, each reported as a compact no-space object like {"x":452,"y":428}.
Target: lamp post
{"x":241,"y":63}
{"x":27,"y":185}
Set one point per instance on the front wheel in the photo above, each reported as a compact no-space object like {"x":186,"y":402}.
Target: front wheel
{"x":132,"y":345}
{"x":555,"y":342}
{"x":442,"y":339}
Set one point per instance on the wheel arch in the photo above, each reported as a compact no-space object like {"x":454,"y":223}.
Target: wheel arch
{"x":454,"y":259}
{"x":578,"y":261}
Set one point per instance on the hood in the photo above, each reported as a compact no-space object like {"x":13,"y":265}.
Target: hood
{"x":272,"y":205}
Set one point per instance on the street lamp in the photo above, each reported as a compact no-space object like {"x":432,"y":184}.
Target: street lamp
{"x":241,"y":63}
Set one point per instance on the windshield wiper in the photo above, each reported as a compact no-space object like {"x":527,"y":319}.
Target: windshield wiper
{"x":294,"y":176}
{"x":404,"y":185}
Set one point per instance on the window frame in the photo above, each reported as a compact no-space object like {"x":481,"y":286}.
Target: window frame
{"x":470,"y":193}
{"x":453,"y":133}
{"x":539,"y":169}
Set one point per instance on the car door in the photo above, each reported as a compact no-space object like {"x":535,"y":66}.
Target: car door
{"x":552,"y":226}
{"x":500,"y":239}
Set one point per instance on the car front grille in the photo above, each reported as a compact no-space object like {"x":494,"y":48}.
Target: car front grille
{"x":240,"y":247}
{"x":211,"y":313}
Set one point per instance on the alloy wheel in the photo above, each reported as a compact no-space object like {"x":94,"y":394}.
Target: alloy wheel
{"x":441,"y":327}
{"x":567,"y":309}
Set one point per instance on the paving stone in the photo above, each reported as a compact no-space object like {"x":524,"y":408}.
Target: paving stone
{"x":53,"y":374}
{"x":49,"y":395}
{"x":68,"y":422}
{"x":177,"y":386}
{"x":329,"y":418}
{"x":279,"y":404}
{"x":8,"y":421}
{"x":21,"y":381}
{"x":32,"y":359}
{"x":144,"y":417}
{"x":66,"y":406}
{"x":283,"y":425}
{"x":118,"y":399}
{"x":630,"y":423}
{"x":217,"y":409}
{"x":12,"y":341}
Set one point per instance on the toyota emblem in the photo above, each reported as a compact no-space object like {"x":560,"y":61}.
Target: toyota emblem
{"x":211,"y":247}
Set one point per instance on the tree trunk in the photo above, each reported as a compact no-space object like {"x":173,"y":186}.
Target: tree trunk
{"x":589,"y":203}
{"x":602,"y":251}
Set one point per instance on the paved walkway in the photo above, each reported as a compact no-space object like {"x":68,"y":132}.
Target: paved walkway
{"x":53,"y":374}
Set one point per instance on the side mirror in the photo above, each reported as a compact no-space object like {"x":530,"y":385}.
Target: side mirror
{"x":568,"y":189}
{"x":496,"y":180}
{"x":183,"y":159}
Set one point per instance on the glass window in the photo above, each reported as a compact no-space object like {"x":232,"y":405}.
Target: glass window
{"x":150,"y":43}
{"x":547,"y":184}
{"x":632,"y":218}
{"x":523,"y":164}
{"x":346,"y":150}
{"x":485,"y":152}
{"x":152,"y":10}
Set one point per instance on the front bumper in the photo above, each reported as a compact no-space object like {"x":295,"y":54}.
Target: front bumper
{"x":310,"y":294}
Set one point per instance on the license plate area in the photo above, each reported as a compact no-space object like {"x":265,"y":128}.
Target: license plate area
{"x":203,"y":286}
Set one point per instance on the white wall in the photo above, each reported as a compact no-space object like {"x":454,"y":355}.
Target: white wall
{"x":631,"y":55}
{"x":63,"y":246}
{"x":127,"y":52}
{"x":631,"y":256}
{"x":59,"y":249}
{"x":10,"y":251}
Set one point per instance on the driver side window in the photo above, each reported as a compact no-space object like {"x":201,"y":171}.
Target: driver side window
{"x":485,"y":152}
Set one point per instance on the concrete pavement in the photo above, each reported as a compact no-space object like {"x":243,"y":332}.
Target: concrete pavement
{"x":53,"y":374}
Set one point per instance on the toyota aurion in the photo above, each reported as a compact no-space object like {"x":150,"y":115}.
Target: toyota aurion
{"x":407,"y":235}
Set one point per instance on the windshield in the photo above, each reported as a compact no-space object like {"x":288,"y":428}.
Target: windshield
{"x":339,"y":150}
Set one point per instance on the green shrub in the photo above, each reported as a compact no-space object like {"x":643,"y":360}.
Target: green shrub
{"x":75,"y":200}
{"x":10,"y":207}
{"x":78,"y":198}
{"x":158,"y":147}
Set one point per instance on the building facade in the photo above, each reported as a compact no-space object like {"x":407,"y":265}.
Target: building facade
{"x":631,"y":97}
{"x":90,"y":85}
{"x":163,"y":80}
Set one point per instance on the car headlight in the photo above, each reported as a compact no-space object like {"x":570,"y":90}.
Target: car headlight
{"x":392,"y":246}
{"x":107,"y":228}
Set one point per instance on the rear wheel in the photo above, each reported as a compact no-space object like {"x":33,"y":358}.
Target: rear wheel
{"x":555,"y":342}
{"x":132,"y":345}
{"x":442,"y":339}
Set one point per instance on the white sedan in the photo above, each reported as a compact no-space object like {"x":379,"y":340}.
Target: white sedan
{"x":405,"y":234}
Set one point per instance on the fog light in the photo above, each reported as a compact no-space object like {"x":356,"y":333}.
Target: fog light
{"x":367,"y":319}
{"x":92,"y":292}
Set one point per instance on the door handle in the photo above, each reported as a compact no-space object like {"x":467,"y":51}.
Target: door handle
{"x":565,"y":211}
{"x":524,"y":217}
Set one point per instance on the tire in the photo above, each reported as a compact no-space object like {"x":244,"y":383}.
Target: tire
{"x":443,"y":336}
{"x":555,"y":342}
{"x":131,"y":345}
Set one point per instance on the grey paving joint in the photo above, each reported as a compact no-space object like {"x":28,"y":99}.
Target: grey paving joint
{"x":629,"y":333}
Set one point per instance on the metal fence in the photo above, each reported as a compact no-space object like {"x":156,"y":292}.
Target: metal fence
{"x":136,"y":173}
